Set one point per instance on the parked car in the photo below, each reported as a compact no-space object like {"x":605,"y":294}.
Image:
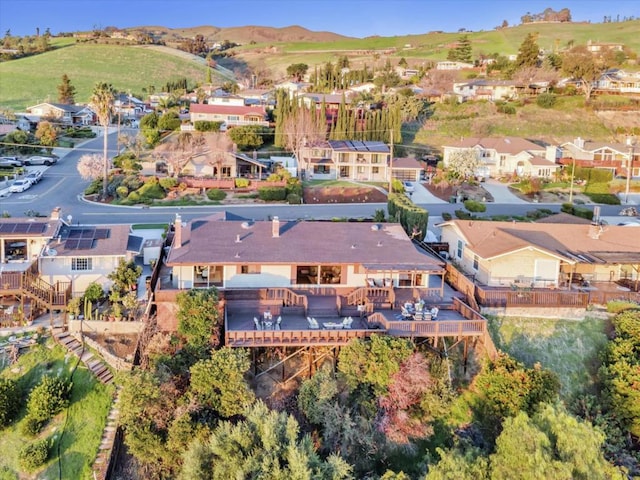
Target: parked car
{"x":10,"y":162}
{"x":408,"y":187}
{"x":20,"y":185}
{"x":40,"y":160}
{"x":34,"y":176}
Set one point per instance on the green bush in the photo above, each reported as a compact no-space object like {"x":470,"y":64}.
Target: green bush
{"x":49,"y":397}
{"x":506,"y":108}
{"x":133,"y":198}
{"x":207,"y":126}
{"x":216,"y":194}
{"x":94,"y":187}
{"x":33,"y":455}
{"x":294,"y":199}
{"x":474,"y":206}
{"x":617,"y":306}
{"x":414,"y":219}
{"x":461,"y":214}
{"x":168,"y":182}
{"x":241,"y":182}
{"x":546,"y":100}
{"x":122,"y":191}
{"x":151,"y":190}
{"x":272,"y":194}
{"x":446,"y":216}
{"x":9,"y":401}
{"x":604,"y":198}
{"x":31,"y":426}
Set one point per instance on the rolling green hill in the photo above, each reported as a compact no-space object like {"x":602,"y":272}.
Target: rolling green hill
{"x":32,"y":80}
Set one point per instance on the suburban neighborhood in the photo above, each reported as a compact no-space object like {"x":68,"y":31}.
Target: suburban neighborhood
{"x":395,"y":260}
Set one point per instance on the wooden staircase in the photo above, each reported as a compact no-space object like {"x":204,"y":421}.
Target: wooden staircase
{"x":96,"y":365}
{"x":108,"y":446}
{"x":322,"y":306}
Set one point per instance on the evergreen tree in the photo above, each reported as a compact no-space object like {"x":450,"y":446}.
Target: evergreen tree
{"x":528,"y":52}
{"x":66,"y":91}
{"x":462,"y":52}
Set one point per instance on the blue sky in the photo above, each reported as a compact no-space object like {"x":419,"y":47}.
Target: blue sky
{"x":357,"y":18}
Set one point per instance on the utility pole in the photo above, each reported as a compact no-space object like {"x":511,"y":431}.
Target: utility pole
{"x":573,"y":169}
{"x":630,"y":143}
{"x":391,"y":161}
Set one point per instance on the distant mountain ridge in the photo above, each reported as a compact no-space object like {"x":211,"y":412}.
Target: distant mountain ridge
{"x":243,"y":35}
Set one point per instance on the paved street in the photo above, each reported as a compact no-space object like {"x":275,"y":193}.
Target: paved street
{"x":62,"y":186}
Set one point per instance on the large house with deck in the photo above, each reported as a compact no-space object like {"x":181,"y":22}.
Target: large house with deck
{"x":325,"y":261}
{"x":613,"y":156}
{"x":232,"y":115}
{"x":347,"y":159}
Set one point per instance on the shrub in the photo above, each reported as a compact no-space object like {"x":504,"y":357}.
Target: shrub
{"x":9,"y":401}
{"x":617,"y":306}
{"x":134,"y":197}
{"x":216,"y":194}
{"x":446,"y":216}
{"x":462,"y":215}
{"x":241,"y":182}
{"x":151,"y":190}
{"x":49,"y":397}
{"x":294,"y":199}
{"x":168,"y":182}
{"x":33,"y":455}
{"x":31,"y":426}
{"x":506,"y":108}
{"x":270,"y":194}
{"x":207,"y":126}
{"x":474,"y":206}
{"x":122,"y":191}
{"x":546,"y":100}
{"x":94,"y":187}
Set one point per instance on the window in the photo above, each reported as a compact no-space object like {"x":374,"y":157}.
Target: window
{"x":475,"y":262}
{"x":249,"y":269}
{"x":503,"y":160}
{"x":81,"y":264}
{"x":360,"y":169}
{"x":460,"y":249}
{"x":375,"y":170}
{"x":321,"y":169}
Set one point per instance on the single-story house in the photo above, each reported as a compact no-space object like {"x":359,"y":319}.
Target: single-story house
{"x":541,"y":254}
{"x":69,"y":114}
{"x":232,"y":115}
{"x":612,"y":156}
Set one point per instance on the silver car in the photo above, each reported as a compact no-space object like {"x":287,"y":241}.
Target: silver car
{"x":40,"y":160}
{"x":20,"y":186}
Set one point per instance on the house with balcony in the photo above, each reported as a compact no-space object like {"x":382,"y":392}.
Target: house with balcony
{"x":232,"y":115}
{"x":303,"y":267}
{"x":613,"y":156}
{"x":543,"y":255}
{"x":81,"y":255}
{"x":499,"y":156}
{"x":483,"y":89}
{"x":347,"y":159}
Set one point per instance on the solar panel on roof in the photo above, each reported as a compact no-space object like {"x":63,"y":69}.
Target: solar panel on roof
{"x":21,"y":228}
{"x":101,"y":233}
{"x":78,"y":244}
{"x":37,"y":227}
{"x":85,"y":243}
{"x":71,"y":244}
{"x":7,"y":227}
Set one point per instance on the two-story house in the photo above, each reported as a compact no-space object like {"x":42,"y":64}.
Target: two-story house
{"x":606,"y":155}
{"x":499,"y":156}
{"x":482,"y":89}
{"x":85,"y":254}
{"x":348,"y":159}
{"x":232,"y":115}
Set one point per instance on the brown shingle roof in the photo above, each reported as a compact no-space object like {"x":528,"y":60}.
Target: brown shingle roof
{"x":114,"y":245}
{"x":300,"y":242}
{"x":492,"y":239}
{"x":511,"y":145}
{"x":406,"y":163}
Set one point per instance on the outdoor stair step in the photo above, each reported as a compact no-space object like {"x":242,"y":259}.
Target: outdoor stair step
{"x":105,"y":377}
{"x":93,"y":363}
{"x":86,"y":357}
{"x":99,"y":370}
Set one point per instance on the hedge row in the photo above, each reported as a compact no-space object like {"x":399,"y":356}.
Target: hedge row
{"x":414,"y":219}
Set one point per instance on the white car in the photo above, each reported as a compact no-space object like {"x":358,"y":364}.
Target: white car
{"x":408,"y":187}
{"x":20,"y":186}
{"x":34,"y":176}
{"x":40,"y":160}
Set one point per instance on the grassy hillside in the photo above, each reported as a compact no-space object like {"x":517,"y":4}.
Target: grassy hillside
{"x":31,"y":80}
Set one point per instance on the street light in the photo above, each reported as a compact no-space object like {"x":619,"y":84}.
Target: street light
{"x":631,"y":141}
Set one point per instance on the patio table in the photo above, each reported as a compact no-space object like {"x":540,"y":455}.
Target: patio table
{"x":332,"y":325}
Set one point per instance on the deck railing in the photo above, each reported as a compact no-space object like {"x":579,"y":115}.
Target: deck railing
{"x":240,"y":338}
{"x":288,"y":297}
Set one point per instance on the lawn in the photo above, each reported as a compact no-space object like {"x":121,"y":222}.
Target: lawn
{"x":570,"y":348}
{"x":76,"y":432}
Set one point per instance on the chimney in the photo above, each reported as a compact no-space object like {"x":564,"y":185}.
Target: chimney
{"x":275,"y":227}
{"x":551,"y":153}
{"x":579,"y":142}
{"x":177,"y":235}
{"x":55,"y":213}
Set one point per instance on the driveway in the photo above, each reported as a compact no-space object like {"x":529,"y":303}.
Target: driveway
{"x":500,"y":192}
{"x":422,"y":195}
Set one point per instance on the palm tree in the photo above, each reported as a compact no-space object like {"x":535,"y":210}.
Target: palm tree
{"x":102,"y":100}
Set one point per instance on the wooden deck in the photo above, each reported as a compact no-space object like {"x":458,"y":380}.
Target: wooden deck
{"x":458,"y":321}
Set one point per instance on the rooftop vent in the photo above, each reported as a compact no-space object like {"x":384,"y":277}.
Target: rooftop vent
{"x":246,"y":225}
{"x":375,"y":227}
{"x":238,"y":240}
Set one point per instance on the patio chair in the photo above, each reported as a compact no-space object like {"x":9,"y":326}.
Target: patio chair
{"x":314,"y":325}
{"x":277,"y":324}
{"x":434,"y":313}
{"x":405,"y":314}
{"x":257,"y":322}
{"x":346,"y":323}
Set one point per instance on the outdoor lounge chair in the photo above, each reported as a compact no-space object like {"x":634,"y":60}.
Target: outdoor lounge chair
{"x":257,"y":322}
{"x":346,"y":323}
{"x":313,"y":324}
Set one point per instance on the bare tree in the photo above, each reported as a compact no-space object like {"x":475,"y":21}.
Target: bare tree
{"x":133,"y":143}
{"x":303,"y":129}
{"x":530,"y":74}
{"x":217,"y":147}
{"x":90,"y":166}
